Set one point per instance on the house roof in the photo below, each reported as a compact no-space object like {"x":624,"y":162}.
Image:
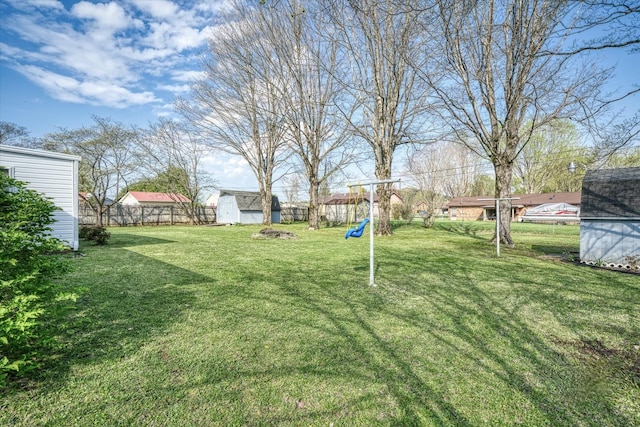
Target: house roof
{"x":250,"y":200}
{"x":611,"y":193}
{"x":150,"y":197}
{"x":349,"y":198}
{"x":345,"y":198}
{"x":572,"y":198}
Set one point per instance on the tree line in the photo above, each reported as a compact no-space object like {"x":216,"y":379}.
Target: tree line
{"x":303,"y":89}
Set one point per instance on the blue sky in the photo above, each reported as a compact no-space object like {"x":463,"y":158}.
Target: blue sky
{"x":63,"y":61}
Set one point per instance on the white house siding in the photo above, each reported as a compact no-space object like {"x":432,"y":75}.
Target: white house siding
{"x":128,"y":200}
{"x":609,"y":242}
{"x":54,"y":175}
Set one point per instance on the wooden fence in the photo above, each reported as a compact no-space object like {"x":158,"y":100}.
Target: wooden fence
{"x":119,"y":215}
{"x":290,"y":214}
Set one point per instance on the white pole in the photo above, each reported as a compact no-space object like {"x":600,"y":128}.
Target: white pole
{"x":371,"y":226}
{"x":371,"y":281}
{"x":498,"y":228}
{"x":498,"y":200}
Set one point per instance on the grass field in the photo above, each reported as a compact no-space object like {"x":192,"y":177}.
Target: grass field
{"x":202,"y":326}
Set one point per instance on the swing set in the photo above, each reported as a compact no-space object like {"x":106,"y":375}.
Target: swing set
{"x":357,"y":231}
{"x":353,"y":210}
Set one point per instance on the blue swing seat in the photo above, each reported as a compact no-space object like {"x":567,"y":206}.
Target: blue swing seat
{"x":356,"y":232}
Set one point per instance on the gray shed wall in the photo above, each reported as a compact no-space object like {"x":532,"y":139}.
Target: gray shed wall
{"x":250,"y":217}
{"x":55,"y":176}
{"x":609,"y":241}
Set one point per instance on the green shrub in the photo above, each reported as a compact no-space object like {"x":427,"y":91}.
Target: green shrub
{"x":98,"y":234}
{"x":28,"y":261}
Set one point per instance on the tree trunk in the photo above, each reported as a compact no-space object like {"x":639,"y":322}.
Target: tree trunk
{"x":314,"y":215}
{"x":266,"y":206}
{"x":384,"y":156}
{"x":98,"y":212}
{"x":504,"y":172}
{"x":384,"y":210}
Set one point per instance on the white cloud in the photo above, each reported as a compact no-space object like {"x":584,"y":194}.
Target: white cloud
{"x":113,"y":54}
{"x":36,"y":4}
{"x":175,"y":88}
{"x":93,"y":92}
{"x":162,"y":9}
{"x":107,"y":16}
{"x":231,"y":171}
{"x":187,"y":75}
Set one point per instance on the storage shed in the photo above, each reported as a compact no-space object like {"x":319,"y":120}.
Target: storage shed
{"x":610,"y":218}
{"x":55,"y":175}
{"x":244,"y":207}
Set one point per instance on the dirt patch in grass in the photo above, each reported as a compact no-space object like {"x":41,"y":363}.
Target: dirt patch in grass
{"x":270,"y":233}
{"x":623,"y":360}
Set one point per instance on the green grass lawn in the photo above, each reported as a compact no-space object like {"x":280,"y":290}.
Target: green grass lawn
{"x":202,"y":326}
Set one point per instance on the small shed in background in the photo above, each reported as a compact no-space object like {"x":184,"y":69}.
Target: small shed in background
{"x":55,"y":175}
{"x":610,"y":217}
{"x":244,"y":207}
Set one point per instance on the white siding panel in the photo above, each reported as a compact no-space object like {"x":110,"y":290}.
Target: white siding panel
{"x":227,"y":210}
{"x":251,"y":217}
{"x":610,"y":242}
{"x":55,"y":176}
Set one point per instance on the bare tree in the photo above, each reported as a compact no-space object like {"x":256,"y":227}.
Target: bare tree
{"x":106,"y":151}
{"x":442,"y":171}
{"x":308,"y":60}
{"x":383,"y":43}
{"x":499,"y":76}
{"x":237,"y":105}
{"x":13,"y":134}
{"x":168,"y":146}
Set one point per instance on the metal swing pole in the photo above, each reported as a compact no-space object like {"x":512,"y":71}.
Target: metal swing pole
{"x":371,"y":224}
{"x":498,"y":200}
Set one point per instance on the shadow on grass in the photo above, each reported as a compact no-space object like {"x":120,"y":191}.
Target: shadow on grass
{"x":125,"y":240}
{"x":462,"y":325}
{"x":125,"y":300}
{"x":462,"y":228}
{"x":488,"y":330}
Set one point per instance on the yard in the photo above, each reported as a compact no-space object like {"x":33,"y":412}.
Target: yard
{"x":201,"y":326}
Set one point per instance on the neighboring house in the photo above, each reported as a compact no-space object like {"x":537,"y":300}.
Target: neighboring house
{"x":475,"y":209}
{"x":422,"y":207}
{"x":54,"y":175}
{"x":339,"y":207}
{"x":610,"y":217}
{"x":146,"y":198}
{"x":212,"y":200}
{"x":244,"y":207}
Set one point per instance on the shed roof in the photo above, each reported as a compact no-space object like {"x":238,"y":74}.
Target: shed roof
{"x":350,"y":198}
{"x":611,"y":193}
{"x":250,"y":200}
{"x":38,"y":153}
{"x":151,"y":197}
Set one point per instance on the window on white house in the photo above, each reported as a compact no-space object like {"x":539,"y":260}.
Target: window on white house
{"x":7,"y":171}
